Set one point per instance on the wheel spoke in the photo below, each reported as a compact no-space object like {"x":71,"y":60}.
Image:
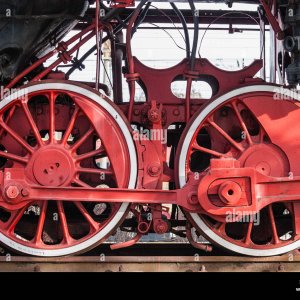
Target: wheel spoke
{"x":94,"y":225}
{"x":20,"y":140}
{"x":14,"y":157}
{"x":40,"y":227}
{"x":295,"y":212}
{"x":15,"y":218}
{"x":10,"y":114}
{"x":52,"y":117}
{"x":195,"y":146}
{"x":70,"y":126}
{"x":63,"y":222}
{"x":242,"y":123}
{"x":273,"y":224}
{"x":83,"y":139}
{"x":32,"y":123}
{"x":225,"y":135}
{"x":90,"y":154}
{"x":261,"y":135}
{"x":248,"y":234}
{"x":81,"y":183}
{"x":95,"y":171}
{"x":220,"y":226}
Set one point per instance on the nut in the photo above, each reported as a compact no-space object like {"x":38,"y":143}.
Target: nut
{"x":12,"y":192}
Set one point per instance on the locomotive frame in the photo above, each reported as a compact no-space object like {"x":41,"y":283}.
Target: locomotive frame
{"x":225,"y":161}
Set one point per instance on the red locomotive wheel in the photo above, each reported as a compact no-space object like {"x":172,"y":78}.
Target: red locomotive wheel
{"x":64,"y":134}
{"x":255,"y":125}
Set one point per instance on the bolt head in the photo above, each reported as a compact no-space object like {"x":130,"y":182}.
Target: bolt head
{"x":154,"y":170}
{"x":161,"y":227}
{"x":12,"y":192}
{"x":230,"y":192}
{"x":193,"y":199}
{"x":176,"y":112}
{"x":136,"y":112}
{"x":24,"y":192}
{"x":154,"y":115}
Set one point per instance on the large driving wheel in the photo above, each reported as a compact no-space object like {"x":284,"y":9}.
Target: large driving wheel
{"x":62,"y":134}
{"x":256,"y":126}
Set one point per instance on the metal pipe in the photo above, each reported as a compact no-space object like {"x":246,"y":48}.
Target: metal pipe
{"x":128,"y":243}
{"x":48,"y":55}
{"x":97,"y":15}
{"x":192,"y":62}
{"x":131,"y":77}
{"x":141,"y":18}
{"x":117,"y":58}
{"x":59,"y":60}
{"x":196,"y":35}
{"x":90,"y":51}
{"x":185,"y":30}
{"x":206,"y":248}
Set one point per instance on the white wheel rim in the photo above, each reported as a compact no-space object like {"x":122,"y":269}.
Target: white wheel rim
{"x":182,"y":177}
{"x":132,"y":179}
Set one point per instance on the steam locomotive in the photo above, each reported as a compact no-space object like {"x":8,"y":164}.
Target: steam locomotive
{"x":77,"y":166}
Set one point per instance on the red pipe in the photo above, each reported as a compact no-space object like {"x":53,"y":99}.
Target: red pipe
{"x":188,"y":99}
{"x":59,"y":60}
{"x":47,"y":56}
{"x":128,"y":243}
{"x":196,"y":245}
{"x":272,"y":20}
{"x":98,"y":45}
{"x":131,"y":77}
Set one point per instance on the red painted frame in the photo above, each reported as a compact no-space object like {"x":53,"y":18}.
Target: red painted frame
{"x":161,"y":109}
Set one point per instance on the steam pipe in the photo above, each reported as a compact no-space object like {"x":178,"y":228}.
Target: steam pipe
{"x":185,"y":30}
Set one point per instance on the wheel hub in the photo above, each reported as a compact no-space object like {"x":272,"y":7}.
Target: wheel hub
{"x":52,"y":166}
{"x":266,"y":159}
{"x":230,"y":192}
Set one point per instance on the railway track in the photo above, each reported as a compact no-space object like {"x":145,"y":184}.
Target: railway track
{"x":160,"y":257}
{"x":78,"y":161}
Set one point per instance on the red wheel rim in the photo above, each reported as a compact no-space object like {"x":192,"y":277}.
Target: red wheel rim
{"x":66,"y":139}
{"x":220,"y":135}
